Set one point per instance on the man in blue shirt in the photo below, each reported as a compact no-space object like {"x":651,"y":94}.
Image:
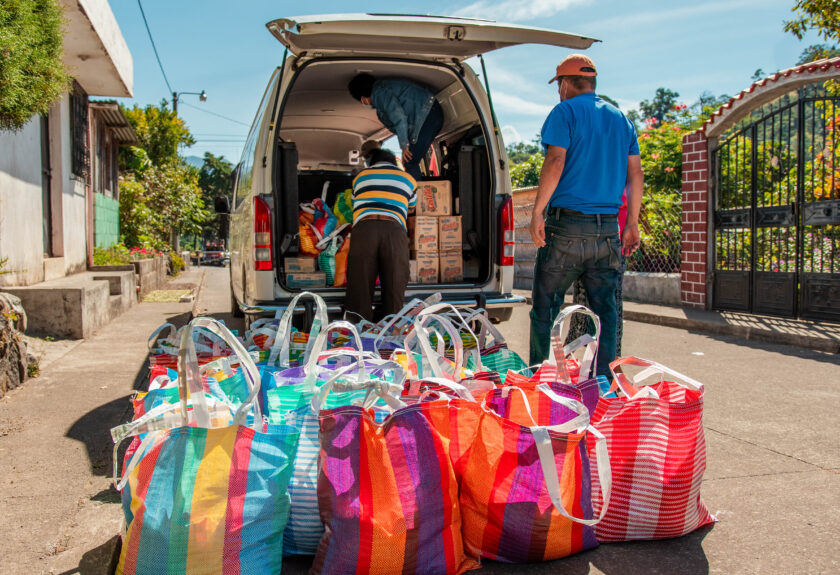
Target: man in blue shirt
{"x":591,"y":156}
{"x":410,"y":110}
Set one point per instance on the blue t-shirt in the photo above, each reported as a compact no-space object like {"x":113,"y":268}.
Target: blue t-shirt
{"x":598,"y":140}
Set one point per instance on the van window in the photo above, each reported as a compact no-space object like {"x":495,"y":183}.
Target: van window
{"x":243,"y":185}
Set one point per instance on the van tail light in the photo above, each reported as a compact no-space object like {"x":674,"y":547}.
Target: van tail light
{"x":262,"y":235}
{"x":508,"y":235}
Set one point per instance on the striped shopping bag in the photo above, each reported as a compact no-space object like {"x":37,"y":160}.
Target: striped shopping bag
{"x":657,"y":452}
{"x":526,"y":493}
{"x":388,"y":496}
{"x":496,"y":357}
{"x":208,"y":494}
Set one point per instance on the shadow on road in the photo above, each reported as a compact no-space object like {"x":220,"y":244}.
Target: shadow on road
{"x":101,"y":560}
{"x":799,"y":352}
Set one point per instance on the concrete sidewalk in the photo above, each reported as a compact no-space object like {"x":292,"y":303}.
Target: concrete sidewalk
{"x":60,"y":512}
{"x":819,"y":336}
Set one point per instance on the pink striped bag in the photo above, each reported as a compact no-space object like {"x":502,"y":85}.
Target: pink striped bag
{"x":657,"y":454}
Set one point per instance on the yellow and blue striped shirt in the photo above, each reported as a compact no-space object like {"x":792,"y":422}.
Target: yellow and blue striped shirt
{"x":384,"y":190}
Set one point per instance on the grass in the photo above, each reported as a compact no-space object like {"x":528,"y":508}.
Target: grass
{"x":166,"y":295}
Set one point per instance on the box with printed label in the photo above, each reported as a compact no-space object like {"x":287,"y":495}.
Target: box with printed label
{"x":425,"y":235}
{"x":434,"y":198}
{"x":449,"y":234}
{"x":427,"y":268}
{"x":412,"y":271}
{"x":306,"y":280}
{"x":304,"y":265}
{"x":451,"y":267}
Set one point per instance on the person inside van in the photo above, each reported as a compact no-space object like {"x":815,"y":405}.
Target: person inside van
{"x":410,"y":110}
{"x":383,"y":198}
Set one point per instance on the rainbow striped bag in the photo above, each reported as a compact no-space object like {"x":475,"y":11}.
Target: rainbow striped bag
{"x":526,"y":492}
{"x":204,"y":493}
{"x":388,"y":496}
{"x":496,"y":357}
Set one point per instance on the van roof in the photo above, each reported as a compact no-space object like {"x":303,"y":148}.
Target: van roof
{"x":411,"y":35}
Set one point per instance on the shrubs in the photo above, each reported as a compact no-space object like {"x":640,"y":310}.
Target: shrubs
{"x":176,"y":263}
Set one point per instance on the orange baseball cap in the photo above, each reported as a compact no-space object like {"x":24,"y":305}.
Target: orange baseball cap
{"x":575,"y":65}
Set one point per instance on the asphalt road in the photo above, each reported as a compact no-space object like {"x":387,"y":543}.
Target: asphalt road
{"x":773,"y":461}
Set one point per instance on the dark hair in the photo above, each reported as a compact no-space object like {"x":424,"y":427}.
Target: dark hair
{"x":583,"y":82}
{"x":382,"y":155}
{"x":361,"y":86}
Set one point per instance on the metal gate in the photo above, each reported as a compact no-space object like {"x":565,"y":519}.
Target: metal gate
{"x":776,"y":184}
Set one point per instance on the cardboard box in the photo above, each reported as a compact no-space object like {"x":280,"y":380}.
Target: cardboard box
{"x":304,"y":265}
{"x":451,"y":267}
{"x":427,"y":268}
{"x":450,"y":238}
{"x":424,"y":238}
{"x":306,"y":280}
{"x":412,"y":271}
{"x":434,"y":198}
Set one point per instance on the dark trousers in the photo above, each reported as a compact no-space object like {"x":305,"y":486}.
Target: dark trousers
{"x":377,"y":248}
{"x":577,"y":247}
{"x":582,"y":324}
{"x":428,"y":133}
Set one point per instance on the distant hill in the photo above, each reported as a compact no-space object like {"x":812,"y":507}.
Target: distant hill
{"x":194,"y":161}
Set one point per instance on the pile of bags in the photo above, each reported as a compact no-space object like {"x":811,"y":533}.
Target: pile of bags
{"x":325,"y":234}
{"x":420,"y":444}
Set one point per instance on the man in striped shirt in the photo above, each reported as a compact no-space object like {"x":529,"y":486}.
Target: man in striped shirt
{"x":383,"y":197}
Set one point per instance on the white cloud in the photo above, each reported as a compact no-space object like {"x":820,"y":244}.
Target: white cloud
{"x":513,"y":104}
{"x":683,"y":14}
{"x":516,"y":10}
{"x":510,"y":135}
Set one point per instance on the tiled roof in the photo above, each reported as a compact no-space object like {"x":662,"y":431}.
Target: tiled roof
{"x":823,"y":65}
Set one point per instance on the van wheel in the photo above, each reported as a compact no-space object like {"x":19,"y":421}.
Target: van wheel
{"x":500,"y":315}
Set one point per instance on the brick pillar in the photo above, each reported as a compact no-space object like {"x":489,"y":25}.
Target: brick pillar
{"x":695,"y":202}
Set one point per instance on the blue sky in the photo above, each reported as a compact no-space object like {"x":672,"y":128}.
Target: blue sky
{"x":224,"y":48}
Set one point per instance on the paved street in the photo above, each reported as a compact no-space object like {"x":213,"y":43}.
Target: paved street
{"x":773,"y":475}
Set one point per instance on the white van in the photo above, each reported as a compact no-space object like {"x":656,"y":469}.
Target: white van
{"x":308,"y":131}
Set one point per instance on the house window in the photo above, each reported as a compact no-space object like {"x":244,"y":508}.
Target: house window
{"x":79,"y":131}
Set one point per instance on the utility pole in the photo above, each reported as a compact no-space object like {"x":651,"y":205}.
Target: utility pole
{"x":202,"y":96}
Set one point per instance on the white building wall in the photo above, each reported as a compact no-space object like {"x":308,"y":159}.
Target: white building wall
{"x":21,"y":232}
{"x":73,"y":199}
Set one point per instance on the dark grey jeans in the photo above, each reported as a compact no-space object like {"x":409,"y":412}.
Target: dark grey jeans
{"x":577,"y":247}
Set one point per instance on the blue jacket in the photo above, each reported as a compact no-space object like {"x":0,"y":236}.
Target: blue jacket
{"x":402,"y":106}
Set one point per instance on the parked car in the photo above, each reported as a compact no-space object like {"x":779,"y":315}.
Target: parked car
{"x":213,"y":257}
{"x":308,"y":132}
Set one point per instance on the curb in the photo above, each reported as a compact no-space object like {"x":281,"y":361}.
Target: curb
{"x":739,"y":331}
{"x":194,"y":310}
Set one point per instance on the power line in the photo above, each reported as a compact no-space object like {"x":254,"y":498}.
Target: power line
{"x":214,"y":113}
{"x":152,"y":40}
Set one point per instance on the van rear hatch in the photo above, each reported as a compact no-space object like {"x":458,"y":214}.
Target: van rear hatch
{"x":411,"y":35}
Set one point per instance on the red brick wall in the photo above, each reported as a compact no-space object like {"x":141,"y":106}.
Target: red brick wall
{"x":695,"y":178}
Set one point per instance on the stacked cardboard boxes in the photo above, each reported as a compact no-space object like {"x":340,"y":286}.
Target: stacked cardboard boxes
{"x":301,"y":273}
{"x":436,"y":236}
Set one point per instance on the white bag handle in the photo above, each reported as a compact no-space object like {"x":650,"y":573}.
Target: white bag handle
{"x":280,"y":349}
{"x":190,"y":376}
{"x":386,"y":390}
{"x":421,"y":334}
{"x":480,"y":316}
{"x":461,"y":391}
{"x":652,"y":368}
{"x":552,"y":481}
{"x":169,"y":338}
{"x":456,"y":317}
{"x":559,"y":351}
{"x":398,"y":320}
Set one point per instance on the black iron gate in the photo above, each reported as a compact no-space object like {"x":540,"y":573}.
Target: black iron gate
{"x":776,"y":204}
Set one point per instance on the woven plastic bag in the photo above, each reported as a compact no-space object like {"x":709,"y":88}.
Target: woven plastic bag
{"x":343,"y":207}
{"x":526,"y":492}
{"x":308,"y":238}
{"x":658,"y":453}
{"x":389,"y":496}
{"x":496,"y":357}
{"x":205,"y":493}
{"x":341,"y":263}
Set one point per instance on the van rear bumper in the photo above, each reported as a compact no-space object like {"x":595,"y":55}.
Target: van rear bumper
{"x":490,"y":301}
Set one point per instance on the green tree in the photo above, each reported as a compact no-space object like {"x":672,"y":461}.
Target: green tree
{"x":822,"y":16}
{"x":527,"y":173}
{"x":520,"y":151}
{"x":660,"y":108}
{"x":818,"y":52}
{"x":214,"y":181}
{"x":160,"y":133}
{"x":32,"y":73}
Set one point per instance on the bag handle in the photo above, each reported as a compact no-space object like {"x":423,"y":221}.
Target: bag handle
{"x":552,"y":481}
{"x":398,"y":320}
{"x":621,"y":381}
{"x":311,"y":368}
{"x":382,"y":388}
{"x":480,"y":316}
{"x":169,"y":338}
{"x":419,"y":332}
{"x":280,"y":349}
{"x":189,"y":377}
{"x":456,"y":318}
{"x":559,"y":351}
{"x":461,"y":391}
